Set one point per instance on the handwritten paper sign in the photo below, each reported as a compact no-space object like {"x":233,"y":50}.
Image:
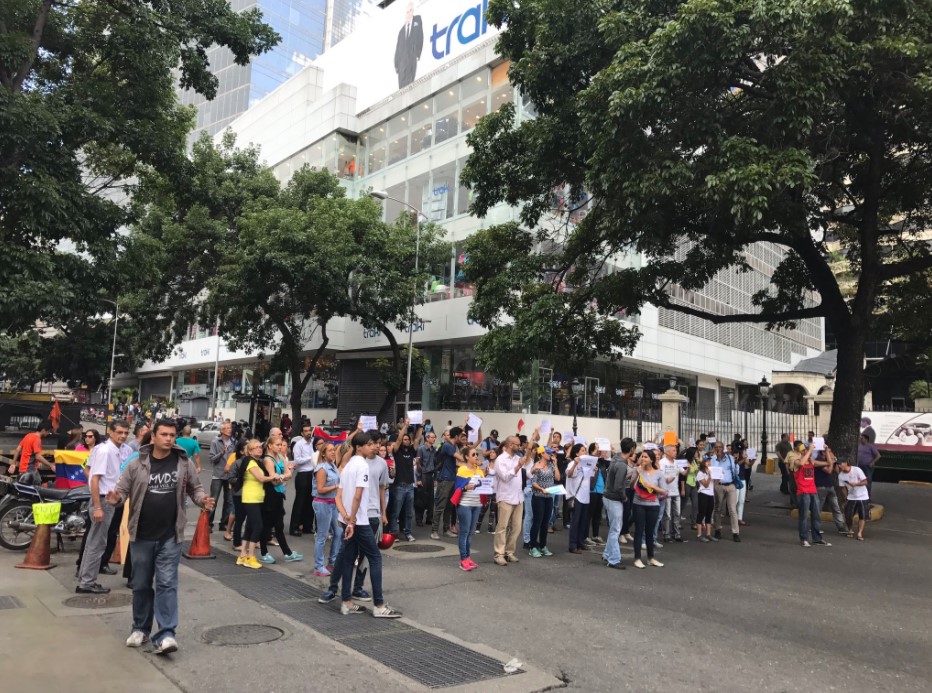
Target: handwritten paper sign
{"x":416,"y":416}
{"x":579,"y":440}
{"x":486,"y":487}
{"x":716,"y":473}
{"x":545,"y":427}
{"x":604,"y":444}
{"x":369,"y":423}
{"x":669,"y":437}
{"x":818,"y":443}
{"x":474,"y":422}
{"x":692,"y":442}
{"x":711,"y":440}
{"x":682,"y":464}
{"x":472,"y":436}
{"x":752,"y":453}
{"x":588,"y":462}
{"x":567,"y":438}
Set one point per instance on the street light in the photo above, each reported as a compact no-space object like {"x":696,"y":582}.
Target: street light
{"x":382,"y":195}
{"x":639,"y":396}
{"x":764,"y":388}
{"x":116,"y":318}
{"x":577,"y":388}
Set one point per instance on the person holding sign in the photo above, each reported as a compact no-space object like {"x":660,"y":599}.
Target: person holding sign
{"x":404,"y":452}
{"x":706,"y":502}
{"x":470,"y":503}
{"x":726,"y":495}
{"x":577,"y":487}
{"x":544,"y":474}
{"x":671,"y":507}
{"x":648,"y":492}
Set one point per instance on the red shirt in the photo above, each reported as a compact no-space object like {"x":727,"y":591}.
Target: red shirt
{"x":30,"y":445}
{"x":805,"y":479}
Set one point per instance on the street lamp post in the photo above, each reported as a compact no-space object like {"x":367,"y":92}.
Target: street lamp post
{"x":116,"y":318}
{"x":620,"y":394}
{"x":764,"y":387}
{"x":639,"y":395}
{"x":577,"y":387}
{"x":381,"y":195}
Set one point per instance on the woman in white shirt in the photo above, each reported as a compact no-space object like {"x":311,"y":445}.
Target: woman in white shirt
{"x":706,"y":502}
{"x":577,"y":487}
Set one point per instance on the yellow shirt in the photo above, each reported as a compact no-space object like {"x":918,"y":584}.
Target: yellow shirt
{"x":253,"y":489}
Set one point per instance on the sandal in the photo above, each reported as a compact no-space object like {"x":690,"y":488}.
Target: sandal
{"x":860,"y":538}
{"x":228,"y":538}
{"x":851,"y":535}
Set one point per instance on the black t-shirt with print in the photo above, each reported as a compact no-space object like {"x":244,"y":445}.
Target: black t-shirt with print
{"x":404,"y":464}
{"x":160,"y":505}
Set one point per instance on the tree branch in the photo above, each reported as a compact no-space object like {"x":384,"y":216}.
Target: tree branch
{"x":906,"y":267}
{"x":320,"y":351}
{"x":37,"y":32}
{"x":800,"y":314}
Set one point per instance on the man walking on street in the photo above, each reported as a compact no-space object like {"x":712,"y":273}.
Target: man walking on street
{"x":103,"y":472}
{"x":155,"y":484}
{"x":449,"y":458}
{"x":726,"y":495}
{"x":509,"y":493}
{"x":302,"y":512}
{"x":220,"y":450}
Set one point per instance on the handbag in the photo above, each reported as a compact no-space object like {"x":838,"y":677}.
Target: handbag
{"x":735,"y":472}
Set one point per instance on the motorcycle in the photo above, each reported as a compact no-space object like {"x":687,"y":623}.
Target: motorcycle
{"x":17,"y":524}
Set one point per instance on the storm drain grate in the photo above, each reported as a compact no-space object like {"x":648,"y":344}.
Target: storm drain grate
{"x":417,"y":548}
{"x":242,"y":634}
{"x":425,"y":658}
{"x":10,"y":603}
{"x":99,"y":601}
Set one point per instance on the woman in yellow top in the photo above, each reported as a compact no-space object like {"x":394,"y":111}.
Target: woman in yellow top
{"x":467,"y":512}
{"x":253,"y":477}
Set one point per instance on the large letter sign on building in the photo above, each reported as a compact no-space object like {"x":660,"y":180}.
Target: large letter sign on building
{"x":472,"y":20}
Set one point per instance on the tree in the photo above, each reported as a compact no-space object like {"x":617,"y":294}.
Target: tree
{"x":692,"y":131}
{"x":270,"y":265}
{"x":87,"y":102}
{"x":20,"y":362}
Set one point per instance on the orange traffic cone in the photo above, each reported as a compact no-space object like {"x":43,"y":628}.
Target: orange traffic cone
{"x":37,"y":557}
{"x":200,"y":544}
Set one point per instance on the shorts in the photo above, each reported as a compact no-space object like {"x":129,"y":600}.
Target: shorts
{"x":861,"y":507}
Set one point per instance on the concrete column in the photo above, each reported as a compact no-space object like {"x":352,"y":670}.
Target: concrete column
{"x":670,"y":403}
{"x":824,"y":402}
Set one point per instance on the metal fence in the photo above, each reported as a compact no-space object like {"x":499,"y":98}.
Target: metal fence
{"x":750,"y":424}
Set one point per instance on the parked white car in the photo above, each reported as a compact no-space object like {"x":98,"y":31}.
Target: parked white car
{"x":205,"y":432}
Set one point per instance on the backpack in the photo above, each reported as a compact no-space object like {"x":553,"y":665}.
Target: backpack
{"x":239,"y":475}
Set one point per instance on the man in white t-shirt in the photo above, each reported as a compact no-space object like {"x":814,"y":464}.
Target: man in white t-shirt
{"x":854,"y":481}
{"x":353,"y":504}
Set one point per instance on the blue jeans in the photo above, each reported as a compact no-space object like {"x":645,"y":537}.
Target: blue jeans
{"x":326,"y":514}
{"x":158,"y":560}
{"x":808,"y":504}
{"x":579,"y":524}
{"x":528,"y":515}
{"x":402,"y":501}
{"x":466,"y":517}
{"x":362,"y":543}
{"x":615,"y":511}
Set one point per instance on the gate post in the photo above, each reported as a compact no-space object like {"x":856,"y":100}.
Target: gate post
{"x":671,"y":402}
{"x":823,"y":401}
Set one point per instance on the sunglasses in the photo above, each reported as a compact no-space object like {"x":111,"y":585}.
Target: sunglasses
{"x":88,"y":435}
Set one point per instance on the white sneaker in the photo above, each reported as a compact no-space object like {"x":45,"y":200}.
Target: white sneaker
{"x":805,"y":544}
{"x":385,"y":611}
{"x":136,"y":639}
{"x":639,"y":564}
{"x":167,"y":646}
{"x":629,"y":537}
{"x":658,"y":545}
{"x":622,"y":539}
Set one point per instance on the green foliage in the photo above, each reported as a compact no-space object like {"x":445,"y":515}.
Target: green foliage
{"x":20,"y":362}
{"x":394,"y":378}
{"x":87,"y":102}
{"x":920,"y":389}
{"x":701,"y":128}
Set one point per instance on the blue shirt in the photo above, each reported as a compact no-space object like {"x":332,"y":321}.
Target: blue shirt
{"x":727,"y":463}
{"x":447,"y":462}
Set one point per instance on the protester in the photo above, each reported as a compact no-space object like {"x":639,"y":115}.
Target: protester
{"x":403,"y":488}
{"x":154,"y":486}
{"x":220,"y":450}
{"x":705,"y":491}
{"x":799,"y":463}
{"x":326,"y":485}
{"x":305,"y":460}
{"x":449,"y":459}
{"x":648,"y":492}
{"x":510,"y":498}
{"x":671,"y":506}
{"x":596,"y":505}
{"x":726,"y":493}
{"x":276,"y":464}
{"x":613,"y":498}
{"x":233,"y":471}
{"x":855,"y":482}
{"x":544,"y":474}
{"x":89,"y":439}
{"x":825,"y":480}
{"x":426,"y":466}
{"x":469,"y":504}
{"x":744,"y":474}
{"x":783,"y":448}
{"x":693,"y":457}
{"x":191,"y":447}
{"x":491,"y":505}
{"x":578,"y":488}
{"x":27,"y":456}
{"x":252,"y":477}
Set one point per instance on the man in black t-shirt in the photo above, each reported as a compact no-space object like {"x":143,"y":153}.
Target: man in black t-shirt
{"x":404,"y":452}
{"x":153,"y":486}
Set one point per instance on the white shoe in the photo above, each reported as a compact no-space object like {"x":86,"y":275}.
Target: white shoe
{"x":622,"y":539}
{"x":136,"y":639}
{"x":654,"y":562}
{"x":639,"y":564}
{"x":629,"y":537}
{"x":385,"y":611}
{"x":167,"y":646}
{"x":658,"y":545}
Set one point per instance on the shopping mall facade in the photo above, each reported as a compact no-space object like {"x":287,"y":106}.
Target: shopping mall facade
{"x":348,"y":114}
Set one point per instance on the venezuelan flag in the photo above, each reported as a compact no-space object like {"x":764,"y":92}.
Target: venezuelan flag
{"x":320,"y":434}
{"x":69,"y":468}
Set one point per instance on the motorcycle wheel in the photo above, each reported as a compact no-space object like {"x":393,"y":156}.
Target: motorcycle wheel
{"x":14,"y":539}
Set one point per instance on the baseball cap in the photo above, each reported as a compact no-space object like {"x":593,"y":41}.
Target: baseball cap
{"x":494,"y":432}
{"x":541,"y":450}
{"x":549,"y":451}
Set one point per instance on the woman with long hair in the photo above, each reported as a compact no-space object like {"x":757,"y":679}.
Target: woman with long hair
{"x":89,"y":439}
{"x":251,"y":478}
{"x":577,"y":487}
{"x":470,"y":503}
{"x":235,"y":522}
{"x":705,"y":490}
{"x":543,"y":475}
{"x":326,"y":486}
{"x":648,"y":490}
{"x":276,"y":464}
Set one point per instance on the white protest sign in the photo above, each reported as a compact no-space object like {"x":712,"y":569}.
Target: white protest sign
{"x":545,"y":428}
{"x":579,"y":440}
{"x":716,"y":473}
{"x":567,"y":438}
{"x":682,"y":464}
{"x":604,"y":444}
{"x":818,"y":443}
{"x":711,"y":441}
{"x":588,"y":462}
{"x":752,"y":453}
{"x":474,"y":422}
{"x":472,"y":436}
{"x":416,"y":416}
{"x":650,"y":446}
{"x":369,"y":423}
{"x":485,"y":487}
{"x":558,"y":490}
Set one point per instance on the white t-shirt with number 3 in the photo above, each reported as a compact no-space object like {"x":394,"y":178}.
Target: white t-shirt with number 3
{"x":355,"y":475}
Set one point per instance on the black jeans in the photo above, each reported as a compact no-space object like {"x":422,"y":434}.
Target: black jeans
{"x":362,"y":543}
{"x":595,"y":513}
{"x":239,"y":517}
{"x":628,"y":512}
{"x":424,"y":499}
{"x":579,"y":524}
{"x":302,"y":512}
{"x":337,"y":573}
{"x":541,"y":507}
{"x":218,"y":486}
{"x":273,"y":520}
{"x":645,"y":519}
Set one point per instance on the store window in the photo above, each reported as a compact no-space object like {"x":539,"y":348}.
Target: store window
{"x":376,"y":140}
{"x":394,"y":209}
{"x":346,"y":156}
{"x":443,"y":193}
{"x":397,"y":139}
{"x":419,"y":192}
{"x":474,"y":95}
{"x":446,"y":115}
{"x":421,"y":118}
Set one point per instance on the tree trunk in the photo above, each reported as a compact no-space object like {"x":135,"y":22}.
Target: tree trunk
{"x":299,"y":378}
{"x":848,"y":398}
{"x":389,"y":403}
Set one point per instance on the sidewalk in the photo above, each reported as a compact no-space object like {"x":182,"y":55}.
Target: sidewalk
{"x":49,"y":646}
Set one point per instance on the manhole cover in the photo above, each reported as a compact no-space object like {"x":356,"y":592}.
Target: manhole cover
{"x":418,"y":548}
{"x":245,"y":634}
{"x":99,"y":601}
